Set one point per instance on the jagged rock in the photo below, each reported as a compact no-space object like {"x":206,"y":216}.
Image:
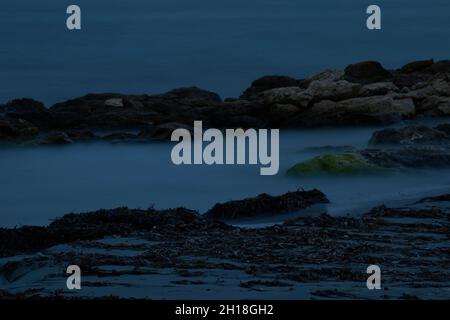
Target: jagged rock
{"x":366,"y":72}
{"x":265,"y":204}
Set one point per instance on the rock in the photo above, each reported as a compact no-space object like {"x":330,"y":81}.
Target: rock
{"x":366,"y":72}
{"x":55,"y":138}
{"x":439,"y":67}
{"x":23,"y":106}
{"x":16,"y":129}
{"x":326,"y":75}
{"x":241,"y":114}
{"x":194,"y":96}
{"x":434,"y":106}
{"x":268,"y":83}
{"x":81,"y":135}
{"x":289,"y":95}
{"x":409,"y":157}
{"x":163,"y":131}
{"x":376,"y":110}
{"x":444,"y":128}
{"x":378,"y":89}
{"x":115,"y":103}
{"x":345,"y":163}
{"x":120,"y":137}
{"x":264,"y":205}
{"x":332,"y":90}
{"x":416,"y":66}
{"x":285,"y":109}
{"x":411,"y":135}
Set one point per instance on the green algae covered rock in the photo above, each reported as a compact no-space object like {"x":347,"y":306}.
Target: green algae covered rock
{"x":344,"y":163}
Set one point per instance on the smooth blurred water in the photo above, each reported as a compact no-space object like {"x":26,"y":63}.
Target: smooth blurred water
{"x":39,"y":184}
{"x":150,"y":46}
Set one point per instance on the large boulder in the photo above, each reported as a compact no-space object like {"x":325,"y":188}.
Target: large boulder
{"x":366,"y":72}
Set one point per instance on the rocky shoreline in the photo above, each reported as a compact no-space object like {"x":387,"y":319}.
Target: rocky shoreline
{"x":178,"y":253}
{"x":364,"y":93}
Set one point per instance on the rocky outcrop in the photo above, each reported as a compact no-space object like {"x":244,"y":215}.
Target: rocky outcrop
{"x":364,"y":93}
{"x":264,"y":205}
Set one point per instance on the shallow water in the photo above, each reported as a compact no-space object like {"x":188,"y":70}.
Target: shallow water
{"x":142,"y":46}
{"x":39,"y":184}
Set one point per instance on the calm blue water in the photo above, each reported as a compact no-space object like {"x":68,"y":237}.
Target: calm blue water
{"x":149,"y":46}
{"x":40,"y":184}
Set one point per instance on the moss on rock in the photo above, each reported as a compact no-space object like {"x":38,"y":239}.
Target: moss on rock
{"x":344,"y":163}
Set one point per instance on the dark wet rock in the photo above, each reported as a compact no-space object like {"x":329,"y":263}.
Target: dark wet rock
{"x":94,"y":225}
{"x":366,"y":72}
{"x":268,"y":83}
{"x":409,"y":157}
{"x":376,"y":110}
{"x":55,"y":138}
{"x":439,"y":67}
{"x":378,"y":89}
{"x":444,"y":128}
{"x":265,"y":204}
{"x":12,"y":129}
{"x":81,"y":135}
{"x":162,"y":131}
{"x":416,"y":66}
{"x":23,"y":106}
{"x":441,"y":198}
{"x":434,"y":106}
{"x":120,"y":137}
{"x":385,"y":212}
{"x":411,"y":135}
{"x":194,"y":96}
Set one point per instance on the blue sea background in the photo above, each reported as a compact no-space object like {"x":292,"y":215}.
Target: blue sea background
{"x":151,"y":46}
